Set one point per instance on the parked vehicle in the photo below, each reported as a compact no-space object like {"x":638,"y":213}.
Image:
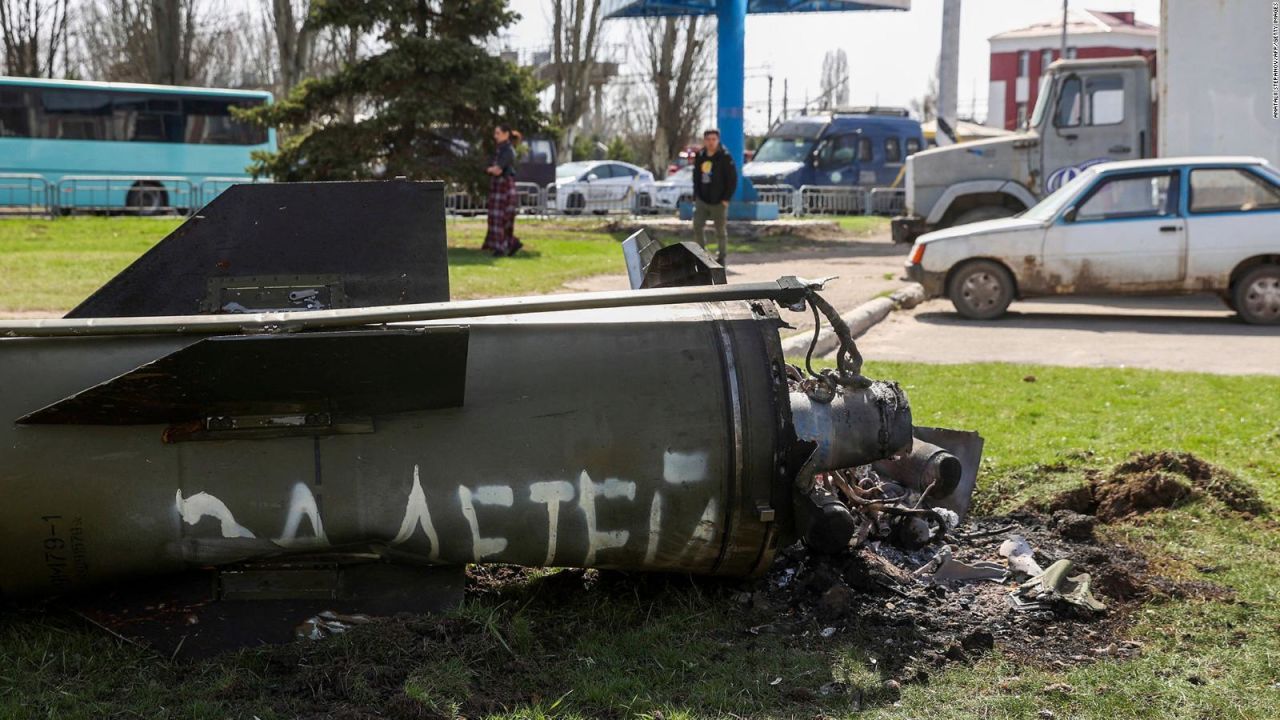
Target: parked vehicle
{"x":677,"y":188}
{"x":144,"y":148}
{"x":861,"y":146}
{"x":1094,"y":111}
{"x":683,"y":159}
{"x":537,"y":161}
{"x":1175,"y":226}
{"x":603,"y":185}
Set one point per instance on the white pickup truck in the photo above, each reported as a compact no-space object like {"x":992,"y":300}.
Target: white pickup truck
{"x":1166,"y":226}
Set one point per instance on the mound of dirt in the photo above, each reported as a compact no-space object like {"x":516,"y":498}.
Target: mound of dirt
{"x":1149,"y":481}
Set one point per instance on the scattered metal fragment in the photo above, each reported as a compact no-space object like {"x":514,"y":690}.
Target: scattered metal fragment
{"x":1054,"y":585}
{"x":1020,"y":556}
{"x":327,"y":624}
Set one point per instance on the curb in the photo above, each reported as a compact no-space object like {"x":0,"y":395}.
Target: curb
{"x":860,"y":320}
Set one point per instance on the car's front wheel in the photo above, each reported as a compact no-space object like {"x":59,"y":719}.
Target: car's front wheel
{"x":1256,"y":296}
{"x":981,"y":289}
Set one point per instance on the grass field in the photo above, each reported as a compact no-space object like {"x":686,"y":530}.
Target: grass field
{"x":51,"y":265}
{"x":671,"y":647}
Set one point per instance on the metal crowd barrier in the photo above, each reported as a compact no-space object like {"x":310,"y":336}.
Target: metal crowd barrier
{"x":888,"y":201}
{"x":783,"y":195}
{"x":142,"y":195}
{"x":829,"y":200}
{"x":24,"y":194}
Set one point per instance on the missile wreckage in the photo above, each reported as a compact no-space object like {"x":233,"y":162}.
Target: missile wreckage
{"x":281,"y":394}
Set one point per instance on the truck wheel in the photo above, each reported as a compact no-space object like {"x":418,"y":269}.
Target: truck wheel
{"x":985,"y":212}
{"x":981,"y":289}
{"x":1257,"y":296}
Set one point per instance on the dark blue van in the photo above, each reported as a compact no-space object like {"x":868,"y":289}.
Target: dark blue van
{"x":860,"y":146}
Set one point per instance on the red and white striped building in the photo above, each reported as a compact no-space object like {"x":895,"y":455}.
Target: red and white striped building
{"x":1019,"y":57}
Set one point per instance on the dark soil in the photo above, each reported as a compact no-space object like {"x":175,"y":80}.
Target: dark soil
{"x":915,"y":629}
{"x":1150,"y":481}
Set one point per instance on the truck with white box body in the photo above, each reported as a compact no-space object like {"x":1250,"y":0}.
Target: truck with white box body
{"x":1214,"y":93}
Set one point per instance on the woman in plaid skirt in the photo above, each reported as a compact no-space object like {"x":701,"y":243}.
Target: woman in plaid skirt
{"x":504,"y":201}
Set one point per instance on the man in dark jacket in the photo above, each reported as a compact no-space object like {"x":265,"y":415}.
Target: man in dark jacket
{"x":714,"y":181}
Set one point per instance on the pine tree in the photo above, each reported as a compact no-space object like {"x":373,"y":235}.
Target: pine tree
{"x":428,"y":98}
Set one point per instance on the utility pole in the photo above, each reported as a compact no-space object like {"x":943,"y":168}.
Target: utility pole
{"x":768,"y":120}
{"x":948,"y":73}
{"x":1062,"y":51}
{"x":784,"y":98}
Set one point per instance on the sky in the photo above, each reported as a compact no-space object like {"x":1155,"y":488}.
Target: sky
{"x":891,"y":54}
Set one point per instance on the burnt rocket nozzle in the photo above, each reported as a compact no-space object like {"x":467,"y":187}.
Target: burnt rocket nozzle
{"x":856,"y":427}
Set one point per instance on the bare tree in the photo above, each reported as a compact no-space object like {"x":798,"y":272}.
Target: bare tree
{"x":575,"y":40}
{"x":35,"y":37}
{"x":169,"y":42}
{"x":926,"y":106}
{"x":295,"y":42}
{"x":674,"y":50}
{"x":835,"y":80}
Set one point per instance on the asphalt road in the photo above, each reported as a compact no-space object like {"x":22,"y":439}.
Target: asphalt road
{"x":1181,"y":333}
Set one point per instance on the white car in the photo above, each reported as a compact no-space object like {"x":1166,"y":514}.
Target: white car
{"x":602,"y":186}
{"x":1164,"y":226}
{"x":677,"y":188}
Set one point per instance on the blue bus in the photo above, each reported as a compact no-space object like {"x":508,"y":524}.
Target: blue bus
{"x":122,"y":146}
{"x":860,"y":147}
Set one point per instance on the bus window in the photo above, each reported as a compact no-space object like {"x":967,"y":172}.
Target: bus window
{"x":15,"y":113}
{"x":209,"y":122}
{"x":892,"y":150}
{"x":75,"y":115}
{"x":913,"y":146}
{"x":146,"y":118}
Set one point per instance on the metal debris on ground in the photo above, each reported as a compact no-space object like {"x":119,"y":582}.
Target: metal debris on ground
{"x":1054,"y":585}
{"x":327,"y":624}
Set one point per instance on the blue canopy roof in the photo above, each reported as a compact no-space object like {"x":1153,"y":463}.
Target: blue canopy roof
{"x":660,"y":8}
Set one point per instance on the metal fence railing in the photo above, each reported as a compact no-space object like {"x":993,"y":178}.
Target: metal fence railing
{"x":24,"y":194}
{"x":138,"y":195}
{"x":32,"y":194}
{"x":832,"y":200}
{"x":888,"y":201}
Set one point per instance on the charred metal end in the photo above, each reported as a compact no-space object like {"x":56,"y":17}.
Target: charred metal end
{"x":855,"y":427}
{"x":927,"y":469}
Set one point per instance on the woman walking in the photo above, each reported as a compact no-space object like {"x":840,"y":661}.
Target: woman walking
{"x":504,"y":201}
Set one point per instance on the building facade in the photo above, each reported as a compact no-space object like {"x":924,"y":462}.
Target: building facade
{"x":1019,"y":57}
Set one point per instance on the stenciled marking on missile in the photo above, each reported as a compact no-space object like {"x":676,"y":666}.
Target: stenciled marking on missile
{"x":655,"y":528}
{"x":704,"y":533}
{"x":416,"y":515}
{"x":500,"y":495}
{"x":551,"y":494}
{"x":302,"y":503}
{"x":681,"y":468}
{"x":588,"y":491}
{"x":202,"y":505}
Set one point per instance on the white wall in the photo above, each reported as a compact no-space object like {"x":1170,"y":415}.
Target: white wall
{"x":1215,"y":77}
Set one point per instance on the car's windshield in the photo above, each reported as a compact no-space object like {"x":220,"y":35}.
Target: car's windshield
{"x":1048,"y":208}
{"x":783,"y":149}
{"x":573,"y":169}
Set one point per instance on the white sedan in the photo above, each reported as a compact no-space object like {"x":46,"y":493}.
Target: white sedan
{"x":677,"y":188}
{"x":602,"y":186}
{"x":1164,"y":226}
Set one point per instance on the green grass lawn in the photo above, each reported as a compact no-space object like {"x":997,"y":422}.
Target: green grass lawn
{"x":673,"y":648}
{"x":51,"y":265}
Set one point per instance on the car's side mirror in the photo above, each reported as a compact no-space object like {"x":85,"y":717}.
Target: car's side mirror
{"x":592,"y":177}
{"x":1069,"y":215}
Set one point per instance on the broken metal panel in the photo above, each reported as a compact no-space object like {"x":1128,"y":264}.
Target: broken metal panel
{"x":385,"y":241}
{"x":288,"y":377}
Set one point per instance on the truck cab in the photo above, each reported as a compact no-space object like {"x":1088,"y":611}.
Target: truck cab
{"x":1088,"y":112}
{"x":859,"y":147}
